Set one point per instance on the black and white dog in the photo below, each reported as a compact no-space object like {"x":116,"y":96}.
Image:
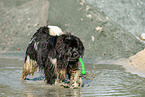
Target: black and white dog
{"x":54,"y":53}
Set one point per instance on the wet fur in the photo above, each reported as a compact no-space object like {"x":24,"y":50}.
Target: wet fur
{"x":55,"y":55}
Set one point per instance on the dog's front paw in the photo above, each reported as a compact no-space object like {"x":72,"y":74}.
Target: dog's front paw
{"x":76,"y":84}
{"x":76,"y":80}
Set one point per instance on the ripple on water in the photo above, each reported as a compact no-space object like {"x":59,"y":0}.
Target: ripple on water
{"x":101,"y":80}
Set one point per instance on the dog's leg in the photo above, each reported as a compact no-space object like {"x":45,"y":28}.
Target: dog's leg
{"x":75,"y":80}
{"x":62,"y":74}
{"x":61,"y":77}
{"x":54,"y":62}
{"x":51,"y":71}
{"x":30,"y":66}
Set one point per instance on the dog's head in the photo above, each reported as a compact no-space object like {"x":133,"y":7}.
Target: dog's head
{"x":71,"y":47}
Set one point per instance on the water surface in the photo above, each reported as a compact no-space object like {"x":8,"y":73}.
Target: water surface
{"x":101,"y":80}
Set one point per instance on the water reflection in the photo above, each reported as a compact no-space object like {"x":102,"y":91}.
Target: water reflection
{"x":44,"y":90}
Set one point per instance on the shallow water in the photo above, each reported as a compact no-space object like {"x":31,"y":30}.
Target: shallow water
{"x":101,"y":80}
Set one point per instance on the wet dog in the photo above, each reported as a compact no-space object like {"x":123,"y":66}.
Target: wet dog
{"x":56,"y":54}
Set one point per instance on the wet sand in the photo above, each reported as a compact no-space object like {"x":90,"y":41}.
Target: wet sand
{"x":101,"y":80}
{"x":136,"y":63}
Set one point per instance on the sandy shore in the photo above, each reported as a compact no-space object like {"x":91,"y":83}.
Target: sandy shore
{"x":136,"y":63}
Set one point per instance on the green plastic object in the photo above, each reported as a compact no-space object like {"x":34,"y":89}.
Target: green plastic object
{"x":83,"y":67}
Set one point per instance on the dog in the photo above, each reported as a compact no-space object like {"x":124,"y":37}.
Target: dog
{"x":56,"y":54}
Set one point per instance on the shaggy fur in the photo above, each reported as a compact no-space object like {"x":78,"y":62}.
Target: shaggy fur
{"x":55,"y":55}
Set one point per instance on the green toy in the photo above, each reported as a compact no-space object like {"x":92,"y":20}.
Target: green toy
{"x":83,"y":67}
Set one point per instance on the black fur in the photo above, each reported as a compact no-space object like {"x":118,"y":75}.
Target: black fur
{"x":44,"y":48}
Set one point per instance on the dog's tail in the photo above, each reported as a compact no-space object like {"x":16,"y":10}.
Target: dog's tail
{"x":55,"y":31}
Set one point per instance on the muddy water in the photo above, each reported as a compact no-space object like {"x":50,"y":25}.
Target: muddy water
{"x":101,"y":80}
